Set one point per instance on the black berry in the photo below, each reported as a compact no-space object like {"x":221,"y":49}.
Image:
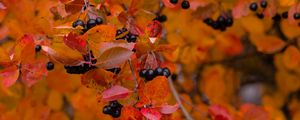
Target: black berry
{"x":185,"y":4}
{"x":166,"y":72}
{"x":229,"y":21}
{"x":38,"y":48}
{"x":131,"y":38}
{"x":260,"y":15}
{"x":253,"y":6}
{"x":50,"y":66}
{"x":297,"y":16}
{"x":78,"y":23}
{"x":99,"y":20}
{"x":107,"y":110}
{"x":116,"y":113}
{"x":91,"y":23}
{"x":158,"y":71}
{"x":149,"y":74}
{"x":143,"y":73}
{"x":174,"y":77}
{"x":221,"y":19}
{"x":174,"y":1}
{"x":208,"y":21}
{"x":161,"y":18}
{"x":216,"y":25}
{"x":276,"y":17}
{"x":285,"y":15}
{"x":263,"y":4}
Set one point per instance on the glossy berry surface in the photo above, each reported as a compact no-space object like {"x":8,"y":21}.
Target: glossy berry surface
{"x":221,"y":19}
{"x":99,"y":20}
{"x":260,"y":15}
{"x":253,"y":6}
{"x":91,"y":23}
{"x":229,"y":21}
{"x":38,"y":48}
{"x":166,"y":72}
{"x":297,"y":16}
{"x":149,"y":75}
{"x":161,"y":18}
{"x":174,"y":1}
{"x":185,"y":4}
{"x":158,"y":71}
{"x":208,"y":21}
{"x":113,"y":109}
{"x":285,"y":15}
{"x":263,"y":4}
{"x":143,"y":72}
{"x":50,"y":66}
{"x":78,"y":23}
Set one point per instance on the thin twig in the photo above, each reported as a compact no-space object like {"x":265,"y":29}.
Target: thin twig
{"x":175,"y":94}
{"x":134,"y":77}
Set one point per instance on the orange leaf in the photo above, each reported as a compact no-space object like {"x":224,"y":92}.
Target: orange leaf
{"x":157,"y":90}
{"x":291,"y":57}
{"x":113,"y":57}
{"x":241,"y":8}
{"x":219,"y":113}
{"x":9,"y":75}
{"x":269,"y":44}
{"x":130,"y":113}
{"x":114,"y":93}
{"x":98,"y":76}
{"x":252,"y":112}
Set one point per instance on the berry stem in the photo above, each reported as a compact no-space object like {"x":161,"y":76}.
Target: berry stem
{"x":175,"y":94}
{"x":134,"y":77}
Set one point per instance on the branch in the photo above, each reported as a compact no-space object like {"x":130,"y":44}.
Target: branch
{"x":134,"y":77}
{"x":175,"y":94}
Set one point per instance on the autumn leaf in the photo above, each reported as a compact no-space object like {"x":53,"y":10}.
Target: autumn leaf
{"x":101,"y":33}
{"x":33,"y":72}
{"x":254,"y":112}
{"x":130,"y":113}
{"x":9,"y":75}
{"x":219,"y":113}
{"x":291,"y":57}
{"x":108,"y":45}
{"x":169,"y":109}
{"x":76,"y":42}
{"x":113,"y":57}
{"x":98,"y":76}
{"x":114,"y":93}
{"x":269,"y":44}
{"x":151,"y":113}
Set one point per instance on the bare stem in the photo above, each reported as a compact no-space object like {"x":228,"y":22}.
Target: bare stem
{"x":134,"y":77}
{"x":175,"y":94}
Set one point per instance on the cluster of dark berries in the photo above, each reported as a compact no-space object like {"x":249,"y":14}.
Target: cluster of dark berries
{"x":38,"y":48}
{"x":90,"y":23}
{"x":220,"y":24}
{"x":161,"y":18}
{"x":114,"y":70}
{"x":253,"y":7}
{"x":184,"y":4}
{"x":83,"y":68}
{"x":50,"y":66}
{"x":113,"y":108}
{"x":149,"y":74}
{"x":120,"y":34}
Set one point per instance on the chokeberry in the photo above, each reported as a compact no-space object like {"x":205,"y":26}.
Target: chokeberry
{"x":91,"y":23}
{"x":208,"y":21}
{"x":185,"y":4}
{"x":263,"y":4}
{"x":297,"y":16}
{"x":285,"y":15}
{"x":116,"y":113}
{"x":229,"y":21}
{"x":161,"y":18}
{"x":253,"y":6}
{"x":143,"y":73}
{"x":149,"y":74}
{"x":99,"y":20}
{"x":276,"y":17}
{"x":50,"y":66}
{"x":78,"y":23}
{"x":115,"y":104}
{"x":174,"y":1}
{"x":158,"y":71}
{"x":221,"y":19}
{"x":174,"y":77}
{"x":166,"y":72}
{"x":216,"y":25}
{"x":107,"y":110}
{"x":38,"y":48}
{"x":260,"y":15}
{"x":119,"y":32}
{"x":131,"y":38}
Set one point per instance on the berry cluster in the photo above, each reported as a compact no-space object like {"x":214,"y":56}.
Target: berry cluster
{"x":38,"y":48}
{"x":149,"y":74}
{"x":253,"y":7}
{"x":184,"y":4}
{"x":50,"y":66}
{"x":113,"y":108}
{"x":220,"y":24}
{"x":83,"y":68}
{"x":161,"y":18}
{"x":120,"y":34}
{"x":90,"y":23}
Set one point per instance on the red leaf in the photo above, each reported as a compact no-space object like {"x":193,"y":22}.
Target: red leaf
{"x":154,"y":29}
{"x":241,"y":8}
{"x":115,"y":93}
{"x":9,"y":75}
{"x":34,"y":71}
{"x":151,"y":113}
{"x":113,"y":57}
{"x":169,"y":109}
{"x":76,"y":42}
{"x":253,"y":112}
{"x":219,"y":113}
